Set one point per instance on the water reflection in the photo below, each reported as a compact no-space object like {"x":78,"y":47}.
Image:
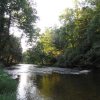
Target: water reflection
{"x":61,"y":87}
{"x":58,"y":87}
{"x":27,"y":89}
{"x":41,"y":84}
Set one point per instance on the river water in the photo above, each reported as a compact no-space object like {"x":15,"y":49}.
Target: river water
{"x":52,"y":83}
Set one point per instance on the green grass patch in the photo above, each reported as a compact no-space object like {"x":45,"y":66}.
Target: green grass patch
{"x":8,"y":96}
{"x":7,"y":86}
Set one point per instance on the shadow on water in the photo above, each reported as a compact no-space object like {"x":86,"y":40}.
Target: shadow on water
{"x":54,"y":86}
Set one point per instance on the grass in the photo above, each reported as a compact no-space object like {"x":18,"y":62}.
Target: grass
{"x":8,"y":96}
{"x":7,"y":86}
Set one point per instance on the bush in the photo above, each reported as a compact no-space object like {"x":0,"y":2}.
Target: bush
{"x":7,"y":87}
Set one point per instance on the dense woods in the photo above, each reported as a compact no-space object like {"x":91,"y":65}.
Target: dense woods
{"x":15,"y":14}
{"x":75,"y":43}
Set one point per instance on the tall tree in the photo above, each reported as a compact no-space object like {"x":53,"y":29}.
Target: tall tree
{"x":17,"y":13}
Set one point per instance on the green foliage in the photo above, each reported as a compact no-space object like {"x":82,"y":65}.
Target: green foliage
{"x":8,"y":96}
{"x":4,"y":83}
{"x":77,"y":41}
{"x":7,"y":87}
{"x":20,"y":14}
{"x":12,"y":53}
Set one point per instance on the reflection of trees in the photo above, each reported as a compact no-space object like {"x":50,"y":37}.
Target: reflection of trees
{"x":59,"y":87}
{"x":49,"y":85}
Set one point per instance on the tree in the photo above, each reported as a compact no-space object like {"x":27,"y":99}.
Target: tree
{"x":17,"y":13}
{"x":77,"y":41}
{"x":12,"y":52}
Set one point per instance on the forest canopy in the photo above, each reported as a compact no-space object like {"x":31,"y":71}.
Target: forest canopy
{"x":76,"y":43}
{"x":20,"y":14}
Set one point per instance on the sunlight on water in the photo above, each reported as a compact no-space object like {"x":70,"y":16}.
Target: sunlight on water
{"x":55,"y":83}
{"x":27,"y":89}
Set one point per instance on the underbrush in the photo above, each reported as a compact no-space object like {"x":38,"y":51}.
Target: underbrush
{"x":7,"y":87}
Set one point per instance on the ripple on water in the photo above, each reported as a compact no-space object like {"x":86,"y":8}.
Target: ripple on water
{"x":28,"y":68}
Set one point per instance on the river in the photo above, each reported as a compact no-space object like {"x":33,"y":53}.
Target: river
{"x":50,"y":83}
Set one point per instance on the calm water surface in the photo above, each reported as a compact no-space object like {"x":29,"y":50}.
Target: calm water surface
{"x":55,"y":83}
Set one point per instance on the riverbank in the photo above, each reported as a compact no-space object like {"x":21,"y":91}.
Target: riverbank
{"x":7,"y":86}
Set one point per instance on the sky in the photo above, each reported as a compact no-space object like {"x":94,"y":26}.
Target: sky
{"x":48,"y":12}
